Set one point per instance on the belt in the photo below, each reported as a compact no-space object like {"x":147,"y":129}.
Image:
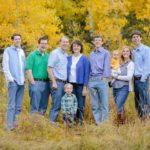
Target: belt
{"x":59,"y":80}
{"x":137,"y":77}
{"x":75,"y":83}
{"x":44,"y":80}
{"x":98,"y":78}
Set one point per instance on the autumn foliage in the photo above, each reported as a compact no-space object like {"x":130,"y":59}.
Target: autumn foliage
{"x":114,"y":19}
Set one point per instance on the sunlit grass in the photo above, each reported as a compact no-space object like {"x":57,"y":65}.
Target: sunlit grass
{"x":36,"y":132}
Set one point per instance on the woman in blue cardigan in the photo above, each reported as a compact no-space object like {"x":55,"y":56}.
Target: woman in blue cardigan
{"x":78,"y":75}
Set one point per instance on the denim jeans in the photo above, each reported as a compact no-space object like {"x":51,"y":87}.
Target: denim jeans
{"x":56,"y":95}
{"x":69,"y":119}
{"x":148,"y":93}
{"x":120,"y":97}
{"x":141,"y":97}
{"x":77,"y":90}
{"x":15,"y":98}
{"x":99,"y":98}
{"x":39,"y":95}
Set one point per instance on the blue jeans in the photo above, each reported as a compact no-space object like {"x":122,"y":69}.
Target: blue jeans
{"x":77,"y":90}
{"x":69,"y":119}
{"x":120,"y":97}
{"x":39,"y":95}
{"x":141,"y":97}
{"x":56,"y":95}
{"x":99,"y":99}
{"x":148,"y":93}
{"x":15,"y":98}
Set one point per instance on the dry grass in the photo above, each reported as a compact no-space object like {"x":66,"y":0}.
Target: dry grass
{"x":36,"y":133}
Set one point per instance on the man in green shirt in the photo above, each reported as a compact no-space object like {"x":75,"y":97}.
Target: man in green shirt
{"x":36,"y":69}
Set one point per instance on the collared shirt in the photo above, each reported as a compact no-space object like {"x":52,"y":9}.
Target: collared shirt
{"x":141,"y":56}
{"x":37,"y":62}
{"x":69,"y":104}
{"x":100,"y":63}
{"x":58,"y":62}
{"x":14,"y":65}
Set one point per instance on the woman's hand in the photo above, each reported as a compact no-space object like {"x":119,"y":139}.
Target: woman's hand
{"x":84,"y":91}
{"x":115,"y":76}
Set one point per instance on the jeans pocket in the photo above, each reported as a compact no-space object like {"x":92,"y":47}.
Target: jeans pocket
{"x":104,"y":82}
{"x":10,"y":84}
{"x":105,"y":79}
{"x":31,"y":86}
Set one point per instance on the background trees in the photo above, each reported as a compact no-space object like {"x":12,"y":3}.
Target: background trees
{"x":30,"y":18}
{"x":114,"y":19}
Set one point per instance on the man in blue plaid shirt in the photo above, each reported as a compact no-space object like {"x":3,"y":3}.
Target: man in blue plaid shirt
{"x":69,"y":105}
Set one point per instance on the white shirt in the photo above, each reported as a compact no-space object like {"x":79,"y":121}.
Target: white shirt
{"x":128,"y":77}
{"x":75,"y":60}
{"x":21,"y":54}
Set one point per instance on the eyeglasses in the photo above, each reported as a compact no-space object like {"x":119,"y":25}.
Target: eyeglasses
{"x":43,"y":43}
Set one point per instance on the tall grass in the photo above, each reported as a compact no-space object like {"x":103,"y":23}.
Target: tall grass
{"x":36,"y":132}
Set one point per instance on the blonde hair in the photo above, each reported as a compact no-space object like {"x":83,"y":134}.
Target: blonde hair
{"x":122,"y":58}
{"x":68,"y":84}
{"x":115,"y":51}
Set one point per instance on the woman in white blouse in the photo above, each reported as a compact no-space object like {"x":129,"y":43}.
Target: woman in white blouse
{"x":78,"y":75}
{"x":123,"y":83}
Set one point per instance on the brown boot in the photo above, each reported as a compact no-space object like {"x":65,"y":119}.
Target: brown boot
{"x":121,"y":118}
{"x":118,"y":118}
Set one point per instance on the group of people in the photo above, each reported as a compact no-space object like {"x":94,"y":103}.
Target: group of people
{"x":68,"y":78}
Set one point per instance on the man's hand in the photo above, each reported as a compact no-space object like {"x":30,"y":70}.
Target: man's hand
{"x":30,"y":76}
{"x":52,"y":78}
{"x":32,"y":82}
{"x":54,"y":85}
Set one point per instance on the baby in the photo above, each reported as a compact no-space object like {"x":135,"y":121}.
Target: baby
{"x":69,"y":105}
{"x":115,"y":65}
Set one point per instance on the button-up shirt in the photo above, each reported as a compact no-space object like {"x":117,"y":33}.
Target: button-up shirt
{"x":141,"y":56}
{"x":14,"y":65}
{"x":100,"y":63}
{"x":37,"y":62}
{"x":58,"y":62}
{"x":69,"y":104}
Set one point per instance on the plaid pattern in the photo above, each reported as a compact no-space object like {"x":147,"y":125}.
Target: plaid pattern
{"x":69,"y":104}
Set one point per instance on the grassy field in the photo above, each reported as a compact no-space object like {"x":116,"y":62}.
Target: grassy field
{"x":36,"y":133}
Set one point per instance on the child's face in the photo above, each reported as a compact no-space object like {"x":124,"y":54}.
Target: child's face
{"x":68,"y":89}
{"x":115,"y":55}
